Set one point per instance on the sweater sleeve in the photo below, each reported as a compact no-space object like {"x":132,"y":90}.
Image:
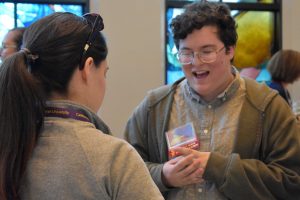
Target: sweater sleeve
{"x":130,"y":177}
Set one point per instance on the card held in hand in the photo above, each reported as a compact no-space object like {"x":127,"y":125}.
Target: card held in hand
{"x":183,"y":136}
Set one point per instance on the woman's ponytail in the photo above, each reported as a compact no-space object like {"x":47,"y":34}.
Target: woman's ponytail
{"x":21,"y":118}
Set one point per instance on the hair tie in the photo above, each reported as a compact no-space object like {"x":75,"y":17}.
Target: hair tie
{"x":29,"y":57}
{"x":25,"y":50}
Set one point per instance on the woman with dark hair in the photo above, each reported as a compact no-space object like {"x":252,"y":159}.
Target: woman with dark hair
{"x":284,"y":67}
{"x":52,"y":144}
{"x":12,"y":42}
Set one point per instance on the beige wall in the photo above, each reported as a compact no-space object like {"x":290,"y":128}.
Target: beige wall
{"x":291,"y":33}
{"x":135,"y":32}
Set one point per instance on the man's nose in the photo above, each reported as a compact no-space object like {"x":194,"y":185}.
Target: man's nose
{"x":196,"y":59}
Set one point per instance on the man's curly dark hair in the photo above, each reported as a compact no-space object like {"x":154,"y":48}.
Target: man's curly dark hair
{"x":200,"y":14}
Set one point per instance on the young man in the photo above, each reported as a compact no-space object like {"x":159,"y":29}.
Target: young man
{"x":249,"y":138}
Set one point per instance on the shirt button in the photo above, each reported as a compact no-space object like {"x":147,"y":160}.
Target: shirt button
{"x":209,"y":106}
{"x":199,"y":190}
{"x":224,"y":98}
{"x":205,"y":131}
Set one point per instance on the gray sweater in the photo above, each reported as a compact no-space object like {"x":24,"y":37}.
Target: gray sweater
{"x":74,"y":160}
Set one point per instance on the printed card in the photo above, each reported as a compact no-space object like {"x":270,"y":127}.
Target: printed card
{"x":183,"y":136}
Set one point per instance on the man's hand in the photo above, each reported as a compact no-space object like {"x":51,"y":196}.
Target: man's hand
{"x":186,"y":169}
{"x":202,"y":157}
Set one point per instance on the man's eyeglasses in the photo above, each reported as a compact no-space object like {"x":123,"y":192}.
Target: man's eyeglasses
{"x":186,"y":57}
{"x":6,"y":46}
{"x":97,"y":26}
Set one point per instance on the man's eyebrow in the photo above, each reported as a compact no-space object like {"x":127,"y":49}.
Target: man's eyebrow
{"x":208,"y":46}
{"x":185,"y":48}
{"x":202,"y":47}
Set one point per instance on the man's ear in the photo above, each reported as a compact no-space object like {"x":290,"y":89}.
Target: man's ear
{"x":87,"y":68}
{"x":230,"y":51}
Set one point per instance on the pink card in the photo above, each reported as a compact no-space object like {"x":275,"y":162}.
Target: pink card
{"x":183,"y":136}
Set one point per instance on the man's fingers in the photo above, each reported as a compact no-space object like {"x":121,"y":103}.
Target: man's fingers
{"x":183,"y":163}
{"x":183,"y":151}
{"x":191,"y":168}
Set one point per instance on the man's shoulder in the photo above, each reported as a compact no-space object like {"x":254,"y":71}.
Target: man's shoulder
{"x":259,"y":94}
{"x":160,"y":91}
{"x":158,"y":94}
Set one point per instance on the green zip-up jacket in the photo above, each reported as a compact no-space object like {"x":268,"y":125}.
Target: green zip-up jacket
{"x":265,"y":162}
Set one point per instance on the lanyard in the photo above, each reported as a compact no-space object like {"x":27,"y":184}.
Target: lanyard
{"x":66,"y":113}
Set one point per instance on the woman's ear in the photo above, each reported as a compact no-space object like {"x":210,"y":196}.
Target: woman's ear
{"x":87,"y":68}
